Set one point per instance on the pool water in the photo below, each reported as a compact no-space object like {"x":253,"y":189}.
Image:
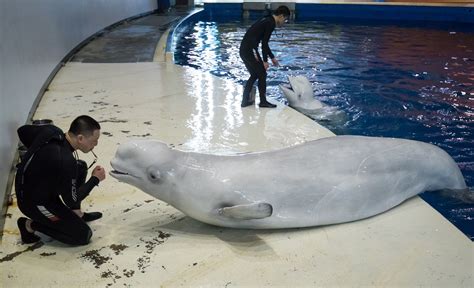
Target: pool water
{"x":413,"y":81}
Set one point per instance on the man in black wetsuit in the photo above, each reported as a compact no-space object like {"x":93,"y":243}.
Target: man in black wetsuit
{"x":50,"y":185}
{"x":257,"y":65}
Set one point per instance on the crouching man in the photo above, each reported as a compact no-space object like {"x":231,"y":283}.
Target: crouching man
{"x":50,"y":181}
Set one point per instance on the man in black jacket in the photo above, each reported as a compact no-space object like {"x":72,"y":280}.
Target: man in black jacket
{"x":257,"y":65}
{"x":50,"y":181}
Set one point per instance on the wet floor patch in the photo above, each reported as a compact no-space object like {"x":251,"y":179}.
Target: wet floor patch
{"x":13,"y":255}
{"x":45,"y":254}
{"x":113,"y":120}
{"x":105,"y":258}
{"x":130,"y":42}
{"x":95,"y":257}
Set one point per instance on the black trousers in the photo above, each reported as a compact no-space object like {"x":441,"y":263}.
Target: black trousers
{"x":57,"y":221}
{"x":53,"y":218}
{"x":257,"y":72}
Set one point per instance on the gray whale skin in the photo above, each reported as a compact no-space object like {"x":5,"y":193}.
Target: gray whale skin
{"x":325,"y":181}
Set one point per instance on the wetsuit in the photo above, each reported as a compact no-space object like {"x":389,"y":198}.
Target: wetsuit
{"x":260,"y":31}
{"x":51,"y":185}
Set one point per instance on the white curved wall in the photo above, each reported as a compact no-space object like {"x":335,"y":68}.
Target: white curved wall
{"x":34,"y":37}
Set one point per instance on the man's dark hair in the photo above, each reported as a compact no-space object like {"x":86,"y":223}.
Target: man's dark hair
{"x":84,"y":125}
{"x":282,"y":10}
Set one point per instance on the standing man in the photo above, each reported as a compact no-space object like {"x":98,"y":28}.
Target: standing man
{"x":257,"y":65}
{"x":50,"y":181}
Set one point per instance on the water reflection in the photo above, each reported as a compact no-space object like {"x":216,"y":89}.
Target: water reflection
{"x":410,"y":81}
{"x":391,"y":80}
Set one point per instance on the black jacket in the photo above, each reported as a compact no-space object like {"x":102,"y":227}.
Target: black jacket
{"x":260,"y":31}
{"x":52,"y":170}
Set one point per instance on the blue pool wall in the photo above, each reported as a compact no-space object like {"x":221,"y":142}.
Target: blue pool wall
{"x":385,"y":12}
{"x":313,"y":11}
{"x":463,"y":15}
{"x":182,"y":26}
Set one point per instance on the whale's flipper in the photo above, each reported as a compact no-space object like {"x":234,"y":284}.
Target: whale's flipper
{"x":247,"y":211}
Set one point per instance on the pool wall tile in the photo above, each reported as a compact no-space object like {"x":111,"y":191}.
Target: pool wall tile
{"x":305,"y":12}
{"x":316,"y":11}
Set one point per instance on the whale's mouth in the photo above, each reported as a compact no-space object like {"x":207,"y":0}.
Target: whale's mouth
{"x":120,"y":175}
{"x":116,"y":172}
{"x":288,"y":86}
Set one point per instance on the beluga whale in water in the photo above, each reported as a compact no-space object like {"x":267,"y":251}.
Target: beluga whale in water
{"x":326,"y":181}
{"x":300,"y":96}
{"x":300,"y":93}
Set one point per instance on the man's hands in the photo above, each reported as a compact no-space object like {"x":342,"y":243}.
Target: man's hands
{"x":99,"y":172}
{"x":274,"y":62}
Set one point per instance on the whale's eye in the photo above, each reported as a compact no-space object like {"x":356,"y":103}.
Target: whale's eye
{"x":153,"y":174}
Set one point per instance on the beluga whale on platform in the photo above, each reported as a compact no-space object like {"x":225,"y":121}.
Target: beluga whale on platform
{"x":300,"y":96}
{"x":326,"y":181}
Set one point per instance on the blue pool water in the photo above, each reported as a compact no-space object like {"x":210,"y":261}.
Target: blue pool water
{"x":413,"y":81}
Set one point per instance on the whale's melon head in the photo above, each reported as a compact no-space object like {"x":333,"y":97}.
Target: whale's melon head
{"x":141,"y":163}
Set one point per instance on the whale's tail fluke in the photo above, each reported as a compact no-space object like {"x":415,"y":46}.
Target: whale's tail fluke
{"x":465,"y":195}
